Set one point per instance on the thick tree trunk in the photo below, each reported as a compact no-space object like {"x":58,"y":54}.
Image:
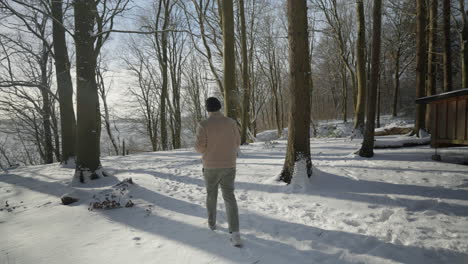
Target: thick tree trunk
{"x":367,"y":149}
{"x":229,"y":63}
{"x":245,"y":76}
{"x":360,"y":67}
{"x":420,"y":63}
{"x":431,"y":56}
{"x":64,"y":84}
{"x":447,"y":47}
{"x":88,"y":114}
{"x":298,"y":149}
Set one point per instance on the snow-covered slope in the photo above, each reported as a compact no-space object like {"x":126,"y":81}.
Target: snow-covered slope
{"x":398,"y":207}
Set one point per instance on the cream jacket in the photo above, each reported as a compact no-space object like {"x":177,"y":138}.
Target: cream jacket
{"x":218,"y":141}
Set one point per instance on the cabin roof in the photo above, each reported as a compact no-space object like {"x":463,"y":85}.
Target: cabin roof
{"x":442,"y":96}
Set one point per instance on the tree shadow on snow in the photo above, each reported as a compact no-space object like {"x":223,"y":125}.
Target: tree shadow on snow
{"x":267,"y":240}
{"x":338,"y":187}
{"x":277,"y":241}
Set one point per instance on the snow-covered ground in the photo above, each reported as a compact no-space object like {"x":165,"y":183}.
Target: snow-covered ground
{"x":398,"y":207}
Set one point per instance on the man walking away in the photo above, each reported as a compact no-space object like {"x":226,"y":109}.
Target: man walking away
{"x":218,"y":141}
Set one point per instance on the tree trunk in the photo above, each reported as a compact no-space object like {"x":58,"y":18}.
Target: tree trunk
{"x":64,"y":84}
{"x":447,"y":47}
{"x":55,"y":132}
{"x":431,"y":57}
{"x":88,"y":114}
{"x":229,"y":64}
{"x":175,"y":72}
{"x":344,"y":108}
{"x":367,"y":149}
{"x":245,"y":76}
{"x":464,"y":45}
{"x":163,"y":65}
{"x":420,"y":63}
{"x":298,"y":149}
{"x":46,"y":107}
{"x":396,"y":84}
{"x":360,"y":67}
{"x":379,"y":92}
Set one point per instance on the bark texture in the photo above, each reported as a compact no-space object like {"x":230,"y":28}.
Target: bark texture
{"x":299,"y":82}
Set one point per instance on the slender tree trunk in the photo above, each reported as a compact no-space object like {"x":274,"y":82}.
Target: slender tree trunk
{"x":176,"y":121}
{"x":360,"y":67}
{"x":164,"y":88}
{"x":420,"y":63}
{"x":64,"y":84}
{"x":464,"y":45}
{"x":431,"y":56}
{"x":298,"y":149}
{"x":88,"y":114}
{"x":396,"y":84}
{"x":379,"y":92}
{"x":229,"y":63}
{"x":447,"y":47}
{"x":344,"y":81}
{"x":56,"y":136}
{"x":367,"y":149}
{"x":106,"y":116}
{"x":46,"y":107}
{"x":245,"y":76}
{"x":277,"y":115}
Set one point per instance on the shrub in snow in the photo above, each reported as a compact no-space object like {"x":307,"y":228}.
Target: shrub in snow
{"x":115,"y":197}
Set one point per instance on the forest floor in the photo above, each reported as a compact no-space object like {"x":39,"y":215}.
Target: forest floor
{"x":397,"y":207}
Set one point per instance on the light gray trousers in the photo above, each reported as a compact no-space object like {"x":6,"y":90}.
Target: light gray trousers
{"x":224,"y":178}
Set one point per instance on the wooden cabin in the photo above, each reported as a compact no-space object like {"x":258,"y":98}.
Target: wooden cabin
{"x":449,"y":118}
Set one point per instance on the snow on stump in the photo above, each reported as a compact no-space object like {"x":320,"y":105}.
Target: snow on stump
{"x":68,"y":199}
{"x":300,"y":180}
{"x":117,"y":196}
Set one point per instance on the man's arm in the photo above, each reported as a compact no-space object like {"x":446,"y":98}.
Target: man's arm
{"x":200,"y":144}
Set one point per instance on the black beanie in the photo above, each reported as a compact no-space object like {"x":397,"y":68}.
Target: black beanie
{"x":212,"y":104}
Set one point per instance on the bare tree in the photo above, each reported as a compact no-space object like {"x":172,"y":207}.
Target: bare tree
{"x":360,"y":68}
{"x":141,"y":65}
{"x":93,"y":26}
{"x":298,"y":150}
{"x":64,"y":83}
{"x":464,"y":44}
{"x":420,"y":62}
{"x":367,"y":148}
{"x":103,"y":92}
{"x":229,"y":80}
{"x":431,"y":56}
{"x":447,"y":51}
{"x":245,"y":76}
{"x":399,"y":42}
{"x":28,"y":65}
